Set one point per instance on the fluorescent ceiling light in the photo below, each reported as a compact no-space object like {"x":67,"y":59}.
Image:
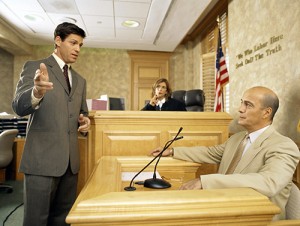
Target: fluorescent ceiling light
{"x":33,"y":17}
{"x":130,"y":23}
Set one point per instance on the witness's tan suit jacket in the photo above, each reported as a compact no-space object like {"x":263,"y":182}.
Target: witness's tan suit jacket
{"x":267,"y":166}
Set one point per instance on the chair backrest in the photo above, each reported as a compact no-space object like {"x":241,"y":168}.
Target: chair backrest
{"x":116,"y":103}
{"x":7,"y":138}
{"x":292,"y":208}
{"x":179,"y":95}
{"x":194,"y":99}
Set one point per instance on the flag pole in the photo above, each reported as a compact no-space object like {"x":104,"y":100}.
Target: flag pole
{"x":221,"y":88}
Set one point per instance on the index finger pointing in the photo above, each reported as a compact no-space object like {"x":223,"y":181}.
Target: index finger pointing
{"x":43,"y":68}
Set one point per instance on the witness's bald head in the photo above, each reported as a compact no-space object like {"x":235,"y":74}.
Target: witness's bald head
{"x":268,"y":98}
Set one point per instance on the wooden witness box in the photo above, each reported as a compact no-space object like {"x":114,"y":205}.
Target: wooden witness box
{"x":132,"y":133}
{"x":103,"y":200}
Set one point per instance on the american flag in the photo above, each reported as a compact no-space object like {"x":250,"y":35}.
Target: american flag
{"x":222,"y":76}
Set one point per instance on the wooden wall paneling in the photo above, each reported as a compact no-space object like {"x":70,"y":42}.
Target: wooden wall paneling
{"x":144,"y":91}
{"x":17,"y":152}
{"x":83,"y":173}
{"x":128,"y":143}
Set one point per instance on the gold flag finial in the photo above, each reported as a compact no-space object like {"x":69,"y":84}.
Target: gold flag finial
{"x":218,"y":21}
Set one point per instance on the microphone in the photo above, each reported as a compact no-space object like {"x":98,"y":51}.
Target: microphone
{"x":131,"y":188}
{"x":156,"y":182}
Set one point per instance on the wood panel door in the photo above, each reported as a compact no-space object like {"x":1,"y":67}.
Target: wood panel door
{"x":146,"y":68}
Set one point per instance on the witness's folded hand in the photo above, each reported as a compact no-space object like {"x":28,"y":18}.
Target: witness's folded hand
{"x":192,"y":185}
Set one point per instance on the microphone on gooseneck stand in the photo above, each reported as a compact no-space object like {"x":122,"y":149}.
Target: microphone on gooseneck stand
{"x":130,"y":187}
{"x":156,"y":182}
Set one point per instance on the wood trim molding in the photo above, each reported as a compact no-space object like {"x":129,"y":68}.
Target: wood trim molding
{"x":208,"y":22}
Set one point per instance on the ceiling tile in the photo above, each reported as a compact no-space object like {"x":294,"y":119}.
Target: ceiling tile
{"x":72,"y":18}
{"x":29,"y":5}
{"x":131,"y":9}
{"x":98,"y":21}
{"x":99,"y":7}
{"x":130,"y":35}
{"x":56,"y":6}
{"x":101,"y":33}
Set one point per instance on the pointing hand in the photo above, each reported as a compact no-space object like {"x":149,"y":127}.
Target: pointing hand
{"x":41,"y":81}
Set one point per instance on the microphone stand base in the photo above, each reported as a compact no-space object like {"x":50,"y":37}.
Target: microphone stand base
{"x":156,"y":183}
{"x":130,"y":188}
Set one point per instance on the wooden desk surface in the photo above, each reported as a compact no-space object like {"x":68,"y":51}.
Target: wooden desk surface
{"x":103,"y":200}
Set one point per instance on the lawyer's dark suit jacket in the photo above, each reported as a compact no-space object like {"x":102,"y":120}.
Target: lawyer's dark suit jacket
{"x":267,"y":166}
{"x":52,"y":138}
{"x":170,"y":105}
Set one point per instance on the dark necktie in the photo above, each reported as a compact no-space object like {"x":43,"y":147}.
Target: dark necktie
{"x":67,"y":77}
{"x":238,"y":155}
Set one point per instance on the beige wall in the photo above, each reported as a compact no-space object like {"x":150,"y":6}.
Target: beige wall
{"x":250,"y":23}
{"x":185,"y":67}
{"x":6,"y":84}
{"x":107,"y":71}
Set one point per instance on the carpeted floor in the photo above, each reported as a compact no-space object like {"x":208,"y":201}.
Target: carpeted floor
{"x":10,"y":201}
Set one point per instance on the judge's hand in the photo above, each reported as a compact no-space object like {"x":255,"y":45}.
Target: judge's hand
{"x":84,"y":124}
{"x":156,"y":152}
{"x":192,"y":185}
{"x":154,"y":100}
{"x":41,"y":82}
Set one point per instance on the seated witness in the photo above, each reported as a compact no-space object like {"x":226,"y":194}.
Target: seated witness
{"x":268,"y":159}
{"x":161,"y":98}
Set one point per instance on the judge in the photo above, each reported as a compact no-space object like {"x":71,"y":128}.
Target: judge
{"x":161,"y":98}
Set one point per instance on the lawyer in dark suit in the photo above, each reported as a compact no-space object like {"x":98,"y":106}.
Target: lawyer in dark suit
{"x":269,"y":158}
{"x":50,"y":161}
{"x":161,"y":98}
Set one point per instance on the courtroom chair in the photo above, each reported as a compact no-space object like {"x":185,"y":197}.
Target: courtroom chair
{"x":7,"y":138}
{"x":179,"y":95}
{"x":116,"y":103}
{"x":293,"y":205}
{"x":194,"y":99}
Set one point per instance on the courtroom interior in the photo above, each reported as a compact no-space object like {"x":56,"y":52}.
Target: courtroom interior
{"x":260,"y":40}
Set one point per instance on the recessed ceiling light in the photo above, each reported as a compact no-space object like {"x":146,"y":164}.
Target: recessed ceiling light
{"x":130,"y":23}
{"x":68,"y":19}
